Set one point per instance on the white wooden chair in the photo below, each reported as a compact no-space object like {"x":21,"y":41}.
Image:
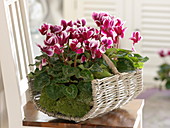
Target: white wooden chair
{"x":15,"y":56}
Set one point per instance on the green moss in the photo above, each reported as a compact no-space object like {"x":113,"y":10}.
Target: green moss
{"x":72,"y":107}
{"x":48,"y":103}
{"x":77,"y":107}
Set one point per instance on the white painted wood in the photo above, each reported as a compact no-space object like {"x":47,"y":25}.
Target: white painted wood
{"x":15,"y":55}
{"x":70,"y":9}
{"x":127,"y":8}
{"x":152,"y":18}
{"x":85,"y":8}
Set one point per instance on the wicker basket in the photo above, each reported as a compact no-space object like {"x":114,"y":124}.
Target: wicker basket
{"x":108,"y":93}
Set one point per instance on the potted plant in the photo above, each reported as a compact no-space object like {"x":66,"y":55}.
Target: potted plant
{"x":82,"y":72}
{"x":163,"y":74}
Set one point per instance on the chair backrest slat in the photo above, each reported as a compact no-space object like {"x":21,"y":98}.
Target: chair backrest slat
{"x":16,"y":53}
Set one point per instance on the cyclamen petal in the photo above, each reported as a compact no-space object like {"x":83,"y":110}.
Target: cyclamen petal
{"x":44,"y":62}
{"x":98,"y":54}
{"x":106,"y":24}
{"x":40,"y":47}
{"x":73,"y":45}
{"x":119,"y":23}
{"x":50,"y":53}
{"x":107,"y":43}
{"x":80,"y":23}
{"x":80,"y":51}
{"x":168,"y":53}
{"x":123,"y":32}
{"x":63,"y":38}
{"x":162,"y":53}
{"x":78,"y":45}
{"x":89,"y":34}
{"x":49,"y":35}
{"x":44,"y":28}
{"x":57,"y":49}
{"x":51,"y":41}
{"x":95,"y":16}
{"x":47,"y":50}
{"x":86,"y":43}
{"x":40,"y":67}
{"x":93,"y":54}
{"x":136,"y":37}
{"x":56,"y":29}
{"x":102,"y":49}
{"x":64,"y":24}
{"x":83,"y":59}
{"x":83,"y":21}
{"x":70,"y":23}
{"x":118,"y":30}
{"x":94,"y":44}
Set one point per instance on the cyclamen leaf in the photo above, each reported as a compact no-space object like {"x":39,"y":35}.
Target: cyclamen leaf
{"x":124,"y":50}
{"x":62,"y":80}
{"x":41,"y":80}
{"x":69,"y":71}
{"x":30,"y":75}
{"x":138,"y":65}
{"x":74,"y":81}
{"x":85,"y":86}
{"x":96,"y":68}
{"x":125,"y":65}
{"x":86,"y":75}
{"x":71,"y":54}
{"x":55,"y":91}
{"x":58,"y":75}
{"x":52,"y":72}
{"x":81,"y":66}
{"x":111,"y":51}
{"x":156,"y":78}
{"x":70,"y":91}
{"x":145,"y":59}
{"x":41,"y":57}
{"x":167,"y":85}
{"x":57,"y":66}
{"x":100,"y":75}
{"x":140,"y":58}
{"x":70,"y":62}
{"x":134,"y":59}
{"x":32,"y":64}
{"x":87,"y":55}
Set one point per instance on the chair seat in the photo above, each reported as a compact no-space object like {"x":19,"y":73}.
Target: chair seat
{"x":128,"y":116}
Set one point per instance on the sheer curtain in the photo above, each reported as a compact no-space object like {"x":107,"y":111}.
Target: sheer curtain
{"x":43,"y":11}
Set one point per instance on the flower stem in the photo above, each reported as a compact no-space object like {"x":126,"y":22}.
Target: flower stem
{"x":63,"y":58}
{"x":118,"y":42}
{"x":59,"y":57}
{"x":75,"y":60}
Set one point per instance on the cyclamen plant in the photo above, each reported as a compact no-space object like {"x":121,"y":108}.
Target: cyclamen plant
{"x":75,"y":36}
{"x":72,"y":56}
{"x":164,"y":69}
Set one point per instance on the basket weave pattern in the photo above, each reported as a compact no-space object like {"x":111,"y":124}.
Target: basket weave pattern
{"x":108,"y":93}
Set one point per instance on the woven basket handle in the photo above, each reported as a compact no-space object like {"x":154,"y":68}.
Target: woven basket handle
{"x":110,"y":63}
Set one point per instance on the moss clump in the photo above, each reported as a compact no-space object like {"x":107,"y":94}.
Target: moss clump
{"x":77,"y":107}
{"x":48,"y":103}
